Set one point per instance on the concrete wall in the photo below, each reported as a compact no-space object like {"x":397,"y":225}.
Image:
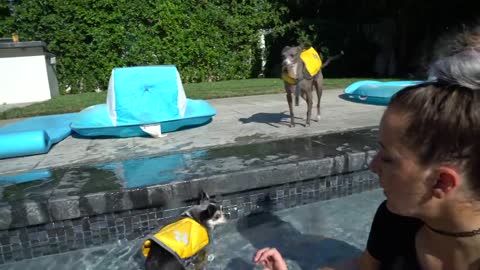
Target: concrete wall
{"x":26,"y":74}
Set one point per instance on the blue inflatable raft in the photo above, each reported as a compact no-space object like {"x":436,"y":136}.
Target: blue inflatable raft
{"x":375,"y":92}
{"x":143,"y":101}
{"x":35,"y":135}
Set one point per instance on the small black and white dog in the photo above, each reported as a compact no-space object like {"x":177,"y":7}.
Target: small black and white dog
{"x":183,"y":243}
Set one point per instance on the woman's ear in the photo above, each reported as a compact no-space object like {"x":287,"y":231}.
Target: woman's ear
{"x":447,"y":179}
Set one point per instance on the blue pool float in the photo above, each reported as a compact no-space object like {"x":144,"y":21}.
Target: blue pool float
{"x":34,"y":135}
{"x":143,"y":101}
{"x":375,"y":92}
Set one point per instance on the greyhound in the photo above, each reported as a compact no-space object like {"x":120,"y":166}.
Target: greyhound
{"x":296,"y":77}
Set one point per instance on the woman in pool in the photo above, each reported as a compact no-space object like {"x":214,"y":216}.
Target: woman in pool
{"x":429,"y":168}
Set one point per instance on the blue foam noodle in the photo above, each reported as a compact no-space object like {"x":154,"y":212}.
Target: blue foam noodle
{"x":34,"y":135}
{"x":24,"y":143}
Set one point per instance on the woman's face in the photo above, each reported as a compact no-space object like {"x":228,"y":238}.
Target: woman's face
{"x":404,"y":181}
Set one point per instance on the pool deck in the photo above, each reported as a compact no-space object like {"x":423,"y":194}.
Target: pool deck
{"x":239,"y":121}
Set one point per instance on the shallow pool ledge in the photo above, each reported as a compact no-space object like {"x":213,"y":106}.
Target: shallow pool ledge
{"x":64,"y":207}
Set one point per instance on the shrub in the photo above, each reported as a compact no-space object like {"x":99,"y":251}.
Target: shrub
{"x":206,"y":40}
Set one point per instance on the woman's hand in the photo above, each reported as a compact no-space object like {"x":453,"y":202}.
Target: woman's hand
{"x":270,"y":259}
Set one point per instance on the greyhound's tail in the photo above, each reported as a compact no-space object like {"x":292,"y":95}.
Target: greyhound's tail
{"x":330,"y":59}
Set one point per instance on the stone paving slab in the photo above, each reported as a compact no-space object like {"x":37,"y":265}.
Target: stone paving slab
{"x":239,"y":120}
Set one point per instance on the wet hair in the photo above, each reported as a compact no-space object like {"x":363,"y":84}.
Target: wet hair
{"x":443,"y":115}
{"x":457,"y":40}
{"x":461,"y":69}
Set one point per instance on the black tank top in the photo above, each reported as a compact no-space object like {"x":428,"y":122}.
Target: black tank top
{"x":392,"y":240}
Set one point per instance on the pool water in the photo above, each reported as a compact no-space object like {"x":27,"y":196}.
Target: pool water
{"x":309,"y":236}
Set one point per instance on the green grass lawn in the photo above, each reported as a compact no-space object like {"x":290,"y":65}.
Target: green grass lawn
{"x":222,"y":89}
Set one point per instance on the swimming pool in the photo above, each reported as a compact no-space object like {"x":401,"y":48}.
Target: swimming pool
{"x":309,"y":236}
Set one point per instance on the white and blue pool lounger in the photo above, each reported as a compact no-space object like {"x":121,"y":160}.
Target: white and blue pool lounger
{"x":143,"y":101}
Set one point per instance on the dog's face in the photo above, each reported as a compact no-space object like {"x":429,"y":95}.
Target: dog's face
{"x":290,"y":59}
{"x":208,"y":213}
{"x":290,"y":55}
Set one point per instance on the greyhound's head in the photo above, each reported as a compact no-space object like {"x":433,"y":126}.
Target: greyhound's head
{"x":290,"y":55}
{"x":290,"y":61}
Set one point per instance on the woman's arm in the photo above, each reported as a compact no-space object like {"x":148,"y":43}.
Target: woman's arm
{"x":368,"y":262}
{"x":271,"y":259}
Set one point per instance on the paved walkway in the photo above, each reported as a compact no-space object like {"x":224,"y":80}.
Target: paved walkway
{"x":239,"y":120}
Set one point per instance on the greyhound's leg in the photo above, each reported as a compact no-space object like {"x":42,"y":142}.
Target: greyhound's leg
{"x":288,"y":90}
{"x":303,"y":95}
{"x":318,"y":84}
{"x":298,"y":92}
{"x":306,"y":86}
{"x":309,"y":107}
{"x":299,"y":89}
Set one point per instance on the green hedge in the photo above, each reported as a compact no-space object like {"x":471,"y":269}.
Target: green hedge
{"x":206,"y":40}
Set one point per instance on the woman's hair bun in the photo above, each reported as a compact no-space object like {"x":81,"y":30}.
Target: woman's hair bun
{"x":462,"y":69}
{"x":459,"y":61}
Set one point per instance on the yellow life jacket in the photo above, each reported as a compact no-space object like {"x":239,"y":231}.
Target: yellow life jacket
{"x":287,"y":78}
{"x":183,"y":238}
{"x":312,"y":62}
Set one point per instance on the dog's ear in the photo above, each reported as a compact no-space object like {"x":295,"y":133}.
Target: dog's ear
{"x":208,"y":213}
{"x":286,"y":48}
{"x":211,"y":209}
{"x":294,"y":50}
{"x":204,"y":196}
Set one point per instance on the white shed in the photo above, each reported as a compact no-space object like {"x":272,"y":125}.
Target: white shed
{"x":27,"y":72}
